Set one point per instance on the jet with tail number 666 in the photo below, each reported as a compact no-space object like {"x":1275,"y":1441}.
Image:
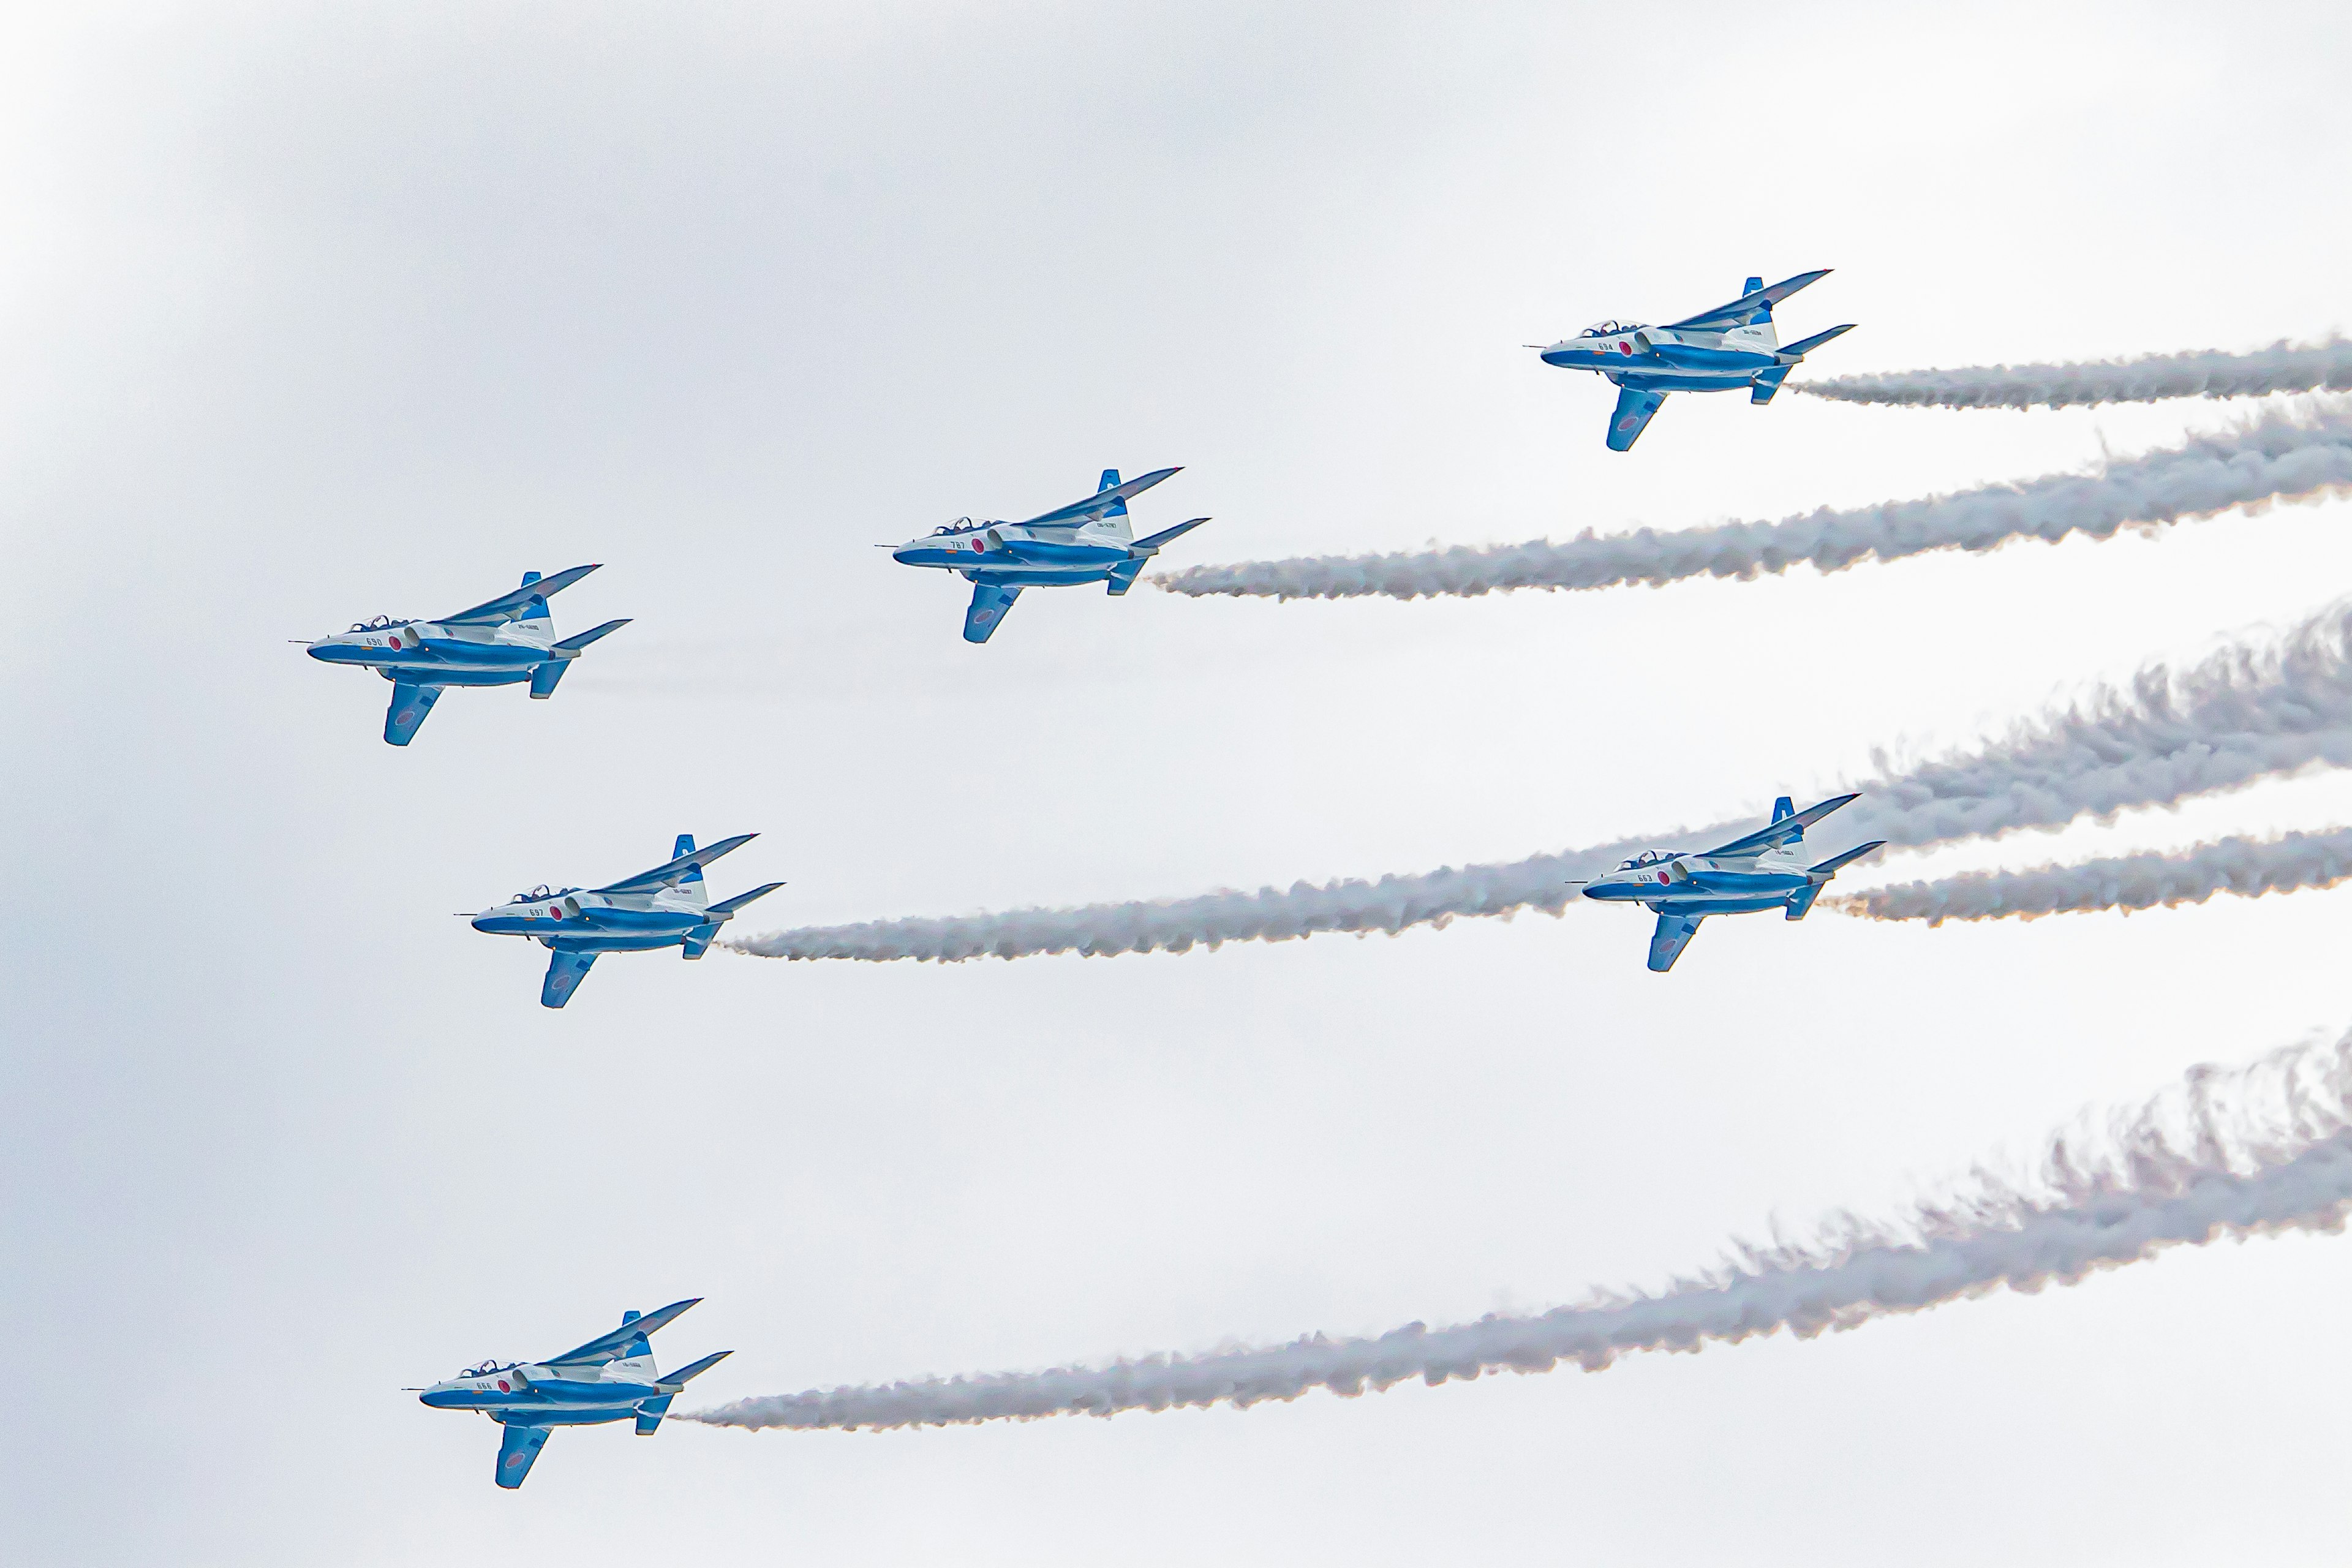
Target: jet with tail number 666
{"x":1762,"y":871}
{"x":1089,"y":541}
{"x":1731,"y":346}
{"x":666,"y":907}
{"x":610,"y":1378}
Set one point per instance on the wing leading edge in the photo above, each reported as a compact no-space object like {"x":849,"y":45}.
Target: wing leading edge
{"x":670,"y":872}
{"x":1736,"y":313}
{"x":611,"y":1345}
{"x":1096,"y":504}
{"x":510,"y":605}
{"x":1781,"y":832}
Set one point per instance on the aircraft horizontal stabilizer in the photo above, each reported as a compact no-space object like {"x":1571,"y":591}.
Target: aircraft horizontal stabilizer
{"x":575,"y":644}
{"x":649,"y":1416}
{"x":518,"y":1446}
{"x":1767,"y":383}
{"x":1166,"y":536}
{"x":698,"y":941}
{"x":1792,"y":352}
{"x":543,"y":679}
{"x":671,"y":1382}
{"x":1831,"y":867}
{"x":730,"y":906}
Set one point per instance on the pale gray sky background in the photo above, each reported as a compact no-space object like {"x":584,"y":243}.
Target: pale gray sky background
{"x":308,"y":313}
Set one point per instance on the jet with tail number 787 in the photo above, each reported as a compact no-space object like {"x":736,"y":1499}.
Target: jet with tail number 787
{"x":610,"y":1378}
{"x":666,"y":907}
{"x":1089,"y":541}
{"x":1731,"y":346}
{"x":1763,"y":870}
{"x":503,"y":641}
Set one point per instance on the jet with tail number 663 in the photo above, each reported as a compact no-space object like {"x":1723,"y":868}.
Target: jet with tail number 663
{"x":610,"y":1378}
{"x":666,"y":907}
{"x":1731,"y":346}
{"x":1762,"y":871}
{"x":504,"y":641}
{"x":1089,"y":541}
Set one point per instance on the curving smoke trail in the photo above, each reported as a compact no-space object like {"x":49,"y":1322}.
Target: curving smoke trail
{"x":2280,"y":457}
{"x":2281,"y":367}
{"x":2244,"y":713}
{"x":2247,"y":866}
{"x":2228,"y":1154}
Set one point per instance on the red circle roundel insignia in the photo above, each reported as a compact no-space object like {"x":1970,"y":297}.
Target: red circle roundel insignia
{"x":502,"y":1387}
{"x":1624,"y":348}
{"x":1662,"y":876}
{"x":395,"y":642}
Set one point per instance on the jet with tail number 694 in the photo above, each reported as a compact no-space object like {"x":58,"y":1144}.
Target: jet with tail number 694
{"x":1761,"y":871}
{"x":504,"y":641}
{"x":666,"y":907}
{"x":1731,"y":346}
{"x":1089,"y":541}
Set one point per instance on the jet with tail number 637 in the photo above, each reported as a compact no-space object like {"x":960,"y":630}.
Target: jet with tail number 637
{"x":1731,"y":346}
{"x":610,"y":1378}
{"x":502,"y":642}
{"x":666,"y":907}
{"x":1089,"y":541}
{"x":1762,"y":871}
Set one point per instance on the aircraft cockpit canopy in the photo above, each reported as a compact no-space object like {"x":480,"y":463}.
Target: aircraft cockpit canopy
{"x":490,"y":1367}
{"x":1605,"y":330}
{"x":959,"y":525}
{"x":380,"y":624}
{"x":1646,"y":858}
{"x":540,"y":894}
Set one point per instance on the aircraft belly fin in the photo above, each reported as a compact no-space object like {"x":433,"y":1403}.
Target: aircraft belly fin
{"x":1634,"y":407}
{"x":1672,"y":935}
{"x":410,"y":705}
{"x":989,"y":603}
{"x":565,"y":971}
{"x":518,"y":1446}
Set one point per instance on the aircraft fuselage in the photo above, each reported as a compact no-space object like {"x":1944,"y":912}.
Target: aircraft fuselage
{"x":1666,"y":359}
{"x":1018,"y":557}
{"x":1695,"y":885}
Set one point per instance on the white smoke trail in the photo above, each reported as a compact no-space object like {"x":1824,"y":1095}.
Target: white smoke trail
{"x":2247,"y":866}
{"x":2281,"y":367}
{"x":2245,"y":713}
{"x":2228,"y":1153}
{"x":2279,"y":458}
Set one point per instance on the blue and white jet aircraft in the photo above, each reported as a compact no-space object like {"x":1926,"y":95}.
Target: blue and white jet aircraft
{"x":666,"y":907}
{"x":610,"y":1378}
{"x":1761,"y":871}
{"x":503,"y":642}
{"x":1089,"y":541}
{"x":1730,"y":346}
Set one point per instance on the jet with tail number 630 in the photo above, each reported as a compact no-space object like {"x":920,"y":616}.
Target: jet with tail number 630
{"x":666,"y":907}
{"x":503,"y":642}
{"x":1761,"y":871}
{"x":1731,"y":346}
{"x":610,"y":1378}
{"x":1089,"y":541}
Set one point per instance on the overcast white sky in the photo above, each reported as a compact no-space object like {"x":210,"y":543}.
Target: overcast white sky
{"x":309,"y":313}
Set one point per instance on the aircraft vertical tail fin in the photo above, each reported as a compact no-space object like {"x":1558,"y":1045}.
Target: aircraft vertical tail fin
{"x":635,"y":1361}
{"x":1114,"y":522}
{"x":695,"y":889}
{"x":535,"y":613}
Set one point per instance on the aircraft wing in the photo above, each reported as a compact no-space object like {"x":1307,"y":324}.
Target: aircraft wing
{"x":1736,"y":313}
{"x":511,"y":604}
{"x":1631,"y":417}
{"x":990,"y":601}
{"x":668,"y":874}
{"x":518,"y":1446}
{"x":1780,"y":832}
{"x":1672,"y":935}
{"x":1094,"y":505}
{"x":609,"y":1344}
{"x":410,"y":704}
